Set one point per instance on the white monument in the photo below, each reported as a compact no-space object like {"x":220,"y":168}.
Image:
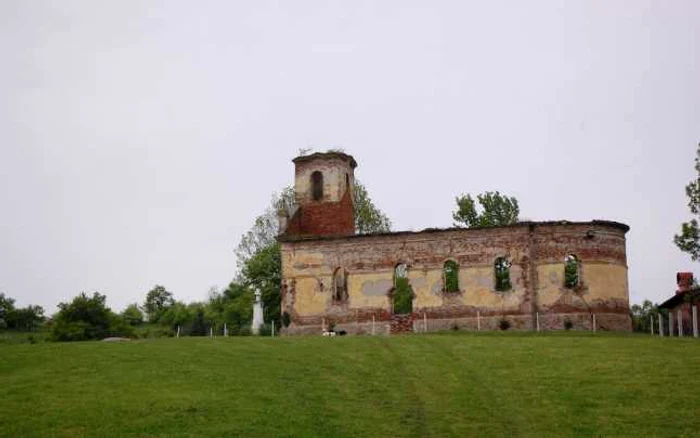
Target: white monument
{"x":257,"y":314}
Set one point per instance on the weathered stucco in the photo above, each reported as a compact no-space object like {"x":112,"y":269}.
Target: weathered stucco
{"x":536,"y":251}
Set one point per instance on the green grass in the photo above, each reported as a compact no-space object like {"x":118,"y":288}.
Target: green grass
{"x":463,"y":384}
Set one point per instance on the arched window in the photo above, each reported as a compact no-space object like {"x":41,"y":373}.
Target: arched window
{"x":501,"y":269}
{"x":572,"y":271}
{"x":317,"y":185}
{"x":340,"y":286}
{"x":403,"y":295}
{"x":450,"y":273}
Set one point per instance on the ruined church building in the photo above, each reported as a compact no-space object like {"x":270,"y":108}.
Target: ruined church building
{"x":554,"y":274}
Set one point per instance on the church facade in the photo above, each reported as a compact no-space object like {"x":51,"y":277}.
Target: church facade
{"x":530,"y":275}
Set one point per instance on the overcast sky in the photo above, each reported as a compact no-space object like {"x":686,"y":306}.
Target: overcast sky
{"x":139,"y":140}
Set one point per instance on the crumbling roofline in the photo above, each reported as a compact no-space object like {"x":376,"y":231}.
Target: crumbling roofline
{"x":612,"y":224}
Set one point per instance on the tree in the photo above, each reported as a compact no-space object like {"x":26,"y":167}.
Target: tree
{"x":178,"y":314}
{"x":263,"y":271}
{"x":87,"y":318}
{"x":19,"y":318}
{"x":157,"y":302}
{"x":7,"y":307}
{"x":368,"y":218}
{"x":641,"y":316}
{"x":689,"y":238}
{"x":133,"y":315}
{"x":496,"y":210}
{"x":27,"y":318}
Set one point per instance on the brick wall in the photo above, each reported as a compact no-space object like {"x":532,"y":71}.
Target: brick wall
{"x":536,"y":250}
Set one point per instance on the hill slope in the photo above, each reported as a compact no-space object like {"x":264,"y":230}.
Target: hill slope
{"x":431,"y":385}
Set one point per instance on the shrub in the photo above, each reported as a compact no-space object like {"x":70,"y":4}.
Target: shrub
{"x":568,"y":325}
{"x":286,"y":319}
{"x":87,"y":318}
{"x":454,"y":327}
{"x":265,"y":330}
{"x":504,"y":324}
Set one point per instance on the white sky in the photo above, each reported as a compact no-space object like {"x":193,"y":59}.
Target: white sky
{"x":139,"y":140}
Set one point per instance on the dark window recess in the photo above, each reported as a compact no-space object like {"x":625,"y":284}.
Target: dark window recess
{"x":340,"y":286}
{"x":317,"y":185}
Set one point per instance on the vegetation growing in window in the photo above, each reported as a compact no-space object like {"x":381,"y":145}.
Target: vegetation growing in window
{"x":403,"y":295}
{"x":451,"y":276}
{"x":572,"y":277}
{"x":502,"y":274}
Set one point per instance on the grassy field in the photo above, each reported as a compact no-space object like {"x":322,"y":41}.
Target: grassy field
{"x":463,"y":384}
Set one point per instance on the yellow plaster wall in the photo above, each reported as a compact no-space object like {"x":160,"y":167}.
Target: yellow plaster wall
{"x":308,"y":300}
{"x":369,"y":289}
{"x":601,"y":281}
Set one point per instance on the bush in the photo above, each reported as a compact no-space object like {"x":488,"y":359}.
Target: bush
{"x":286,"y":319}
{"x":265,"y":330}
{"x":568,"y":325}
{"x":87,"y":318}
{"x":244,"y":331}
{"x":455,"y":327}
{"x":504,"y":324}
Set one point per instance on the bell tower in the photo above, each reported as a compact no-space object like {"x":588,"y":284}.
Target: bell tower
{"x":323,"y":191}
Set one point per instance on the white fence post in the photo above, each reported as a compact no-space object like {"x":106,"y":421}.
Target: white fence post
{"x":178,"y":330}
{"x":594,"y":323}
{"x":695,"y":321}
{"x":478,"y":320}
{"x":537,"y":318}
{"x":670,"y":324}
{"x":273,"y":329}
{"x":661,"y":325}
{"x":373,"y":324}
{"x":651,"y":324}
{"x":680,"y":324}
{"x":425,"y":322}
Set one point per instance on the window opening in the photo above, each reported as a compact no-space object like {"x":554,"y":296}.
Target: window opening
{"x":317,"y":185}
{"x":502,"y":274}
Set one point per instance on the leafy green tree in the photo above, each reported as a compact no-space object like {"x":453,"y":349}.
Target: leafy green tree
{"x":27,"y":318}
{"x":368,"y":218}
{"x":157,"y":302}
{"x":496,"y":210}
{"x":178,"y":314}
{"x":199,"y":325}
{"x":641,"y":316}
{"x":238,"y":308}
{"x":133,"y":315}
{"x":85,"y":318}
{"x":7,"y":308}
{"x":689,"y":238}
{"x":263,"y":271}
